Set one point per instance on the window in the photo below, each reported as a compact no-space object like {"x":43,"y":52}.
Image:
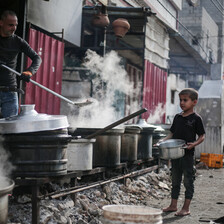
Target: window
{"x":173,"y":96}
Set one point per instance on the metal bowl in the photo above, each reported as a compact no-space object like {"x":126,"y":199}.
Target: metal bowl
{"x":172,"y":149}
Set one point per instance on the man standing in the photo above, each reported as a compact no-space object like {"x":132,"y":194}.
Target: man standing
{"x":10,"y":46}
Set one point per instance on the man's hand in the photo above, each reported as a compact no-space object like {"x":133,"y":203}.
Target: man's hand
{"x":26,"y":75}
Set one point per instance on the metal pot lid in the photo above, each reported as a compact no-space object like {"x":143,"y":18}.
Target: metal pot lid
{"x":159,"y":129}
{"x":88,"y":131}
{"x":30,"y":121}
{"x":85,"y":141}
{"x":132,"y":130}
{"x":143,"y":125}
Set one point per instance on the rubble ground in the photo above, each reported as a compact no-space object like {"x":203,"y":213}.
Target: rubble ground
{"x":207,"y":205}
{"x":151,"y":190}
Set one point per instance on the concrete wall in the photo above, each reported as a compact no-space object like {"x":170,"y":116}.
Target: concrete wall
{"x":54,"y":16}
{"x":217,"y":15}
{"x":174,"y":83}
{"x":197,"y":22}
{"x":156,"y":43}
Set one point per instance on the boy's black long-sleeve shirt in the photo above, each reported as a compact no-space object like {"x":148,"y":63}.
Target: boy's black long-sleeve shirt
{"x":10,"y":47}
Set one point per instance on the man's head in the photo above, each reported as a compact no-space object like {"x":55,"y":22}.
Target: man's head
{"x":192,"y":93}
{"x":8,"y":23}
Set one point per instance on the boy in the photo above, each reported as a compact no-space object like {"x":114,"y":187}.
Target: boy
{"x":186,"y":126}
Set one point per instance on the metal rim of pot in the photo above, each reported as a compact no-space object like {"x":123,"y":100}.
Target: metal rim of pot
{"x":172,"y":148}
{"x":9,"y":186}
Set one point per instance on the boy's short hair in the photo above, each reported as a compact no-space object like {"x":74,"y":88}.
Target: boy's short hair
{"x":192,"y":93}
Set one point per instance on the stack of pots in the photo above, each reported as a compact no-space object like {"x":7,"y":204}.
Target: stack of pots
{"x":37,"y":143}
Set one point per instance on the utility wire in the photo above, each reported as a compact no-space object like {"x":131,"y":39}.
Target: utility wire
{"x":183,"y":27}
{"x":217,"y":7}
{"x":220,"y":4}
{"x":210,"y":37}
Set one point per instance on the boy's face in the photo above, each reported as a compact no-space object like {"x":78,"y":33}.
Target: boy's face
{"x":186,"y":103}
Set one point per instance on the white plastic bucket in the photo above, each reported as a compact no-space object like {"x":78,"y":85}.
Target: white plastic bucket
{"x":130,"y":214}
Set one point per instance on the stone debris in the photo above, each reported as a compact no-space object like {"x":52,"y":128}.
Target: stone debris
{"x":202,"y":165}
{"x":88,"y":206}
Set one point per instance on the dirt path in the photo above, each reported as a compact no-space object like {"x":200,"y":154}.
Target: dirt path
{"x":207,"y":204}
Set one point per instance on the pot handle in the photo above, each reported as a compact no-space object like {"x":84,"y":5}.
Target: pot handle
{"x":184,"y":146}
{"x":157,"y":144}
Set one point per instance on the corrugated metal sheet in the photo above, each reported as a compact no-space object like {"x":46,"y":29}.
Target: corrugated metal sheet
{"x":154,"y":91}
{"x":49,"y":74}
{"x":212,"y":142}
{"x":133,"y":100}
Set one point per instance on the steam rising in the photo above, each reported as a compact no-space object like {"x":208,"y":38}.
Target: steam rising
{"x":110,"y":86}
{"x":155,"y":118}
{"x":5,"y":165}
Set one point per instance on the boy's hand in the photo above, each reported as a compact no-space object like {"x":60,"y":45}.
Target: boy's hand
{"x":190,"y":145}
{"x":157,"y":144}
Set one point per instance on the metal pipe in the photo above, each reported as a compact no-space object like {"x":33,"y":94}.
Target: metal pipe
{"x":49,"y":90}
{"x":116,"y":123}
{"x":132,"y":174}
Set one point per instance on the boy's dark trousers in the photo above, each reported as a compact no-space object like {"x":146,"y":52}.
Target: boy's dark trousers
{"x":183,"y":167}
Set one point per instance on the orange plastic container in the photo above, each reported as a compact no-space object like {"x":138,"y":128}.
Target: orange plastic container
{"x":212,"y":160}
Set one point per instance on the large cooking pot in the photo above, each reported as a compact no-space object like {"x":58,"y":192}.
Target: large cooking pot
{"x":37,"y":143}
{"x":80,"y":154}
{"x":107,"y":148}
{"x":145,"y":139}
{"x":172,"y":148}
{"x":129,"y":144}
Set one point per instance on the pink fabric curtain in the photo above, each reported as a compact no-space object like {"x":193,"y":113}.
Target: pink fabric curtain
{"x":49,"y":74}
{"x":154,"y":93}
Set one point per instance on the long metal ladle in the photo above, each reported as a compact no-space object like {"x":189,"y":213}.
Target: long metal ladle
{"x":49,"y":90}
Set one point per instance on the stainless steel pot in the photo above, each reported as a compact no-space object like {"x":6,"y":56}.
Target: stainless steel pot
{"x":172,"y":149}
{"x":129,"y":144}
{"x":107,"y":148}
{"x":145,"y":139}
{"x":80,"y":154}
{"x":6,"y":187}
